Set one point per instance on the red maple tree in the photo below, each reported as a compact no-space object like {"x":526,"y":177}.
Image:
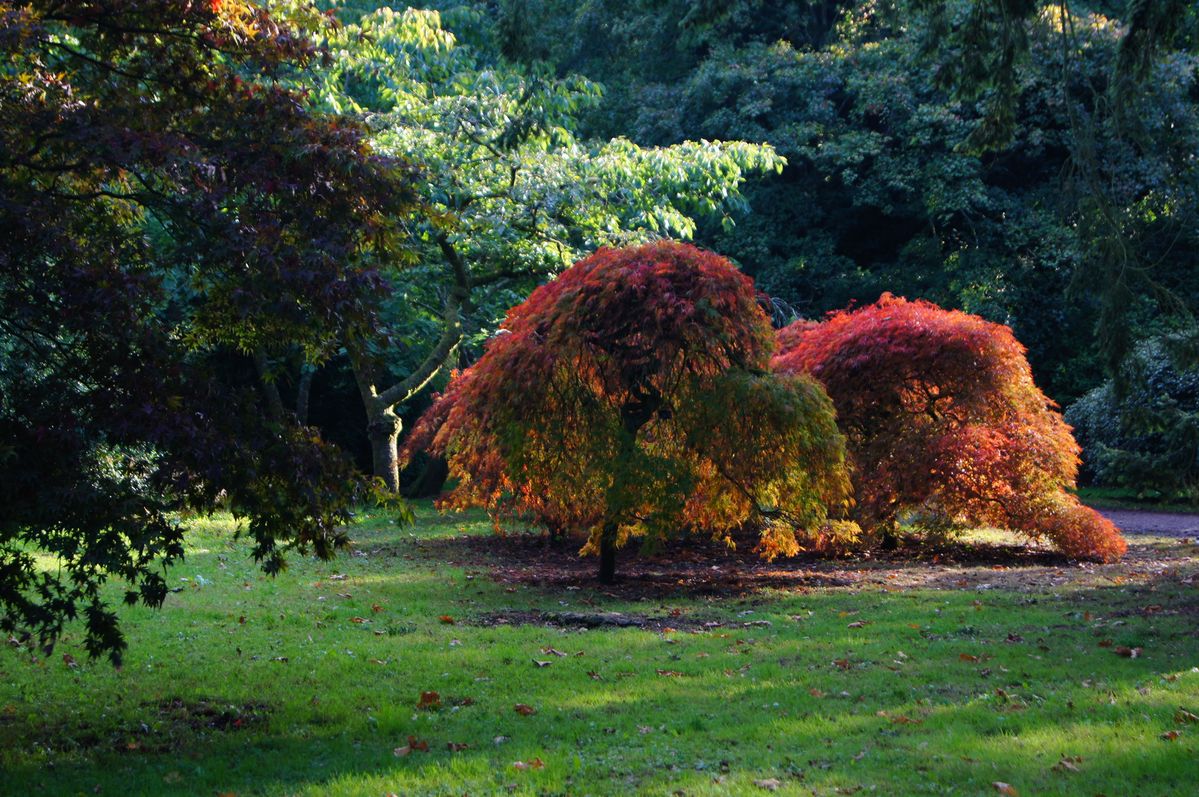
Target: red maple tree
{"x":944,"y":422}
{"x":631,"y":398}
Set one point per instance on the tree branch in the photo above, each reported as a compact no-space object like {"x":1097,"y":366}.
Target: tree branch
{"x":451,"y":335}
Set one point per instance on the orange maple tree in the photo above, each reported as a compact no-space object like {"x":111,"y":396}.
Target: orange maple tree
{"x":631,"y":397}
{"x":944,"y":422}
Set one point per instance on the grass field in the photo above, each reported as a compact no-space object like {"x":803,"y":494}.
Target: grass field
{"x":923,"y":679}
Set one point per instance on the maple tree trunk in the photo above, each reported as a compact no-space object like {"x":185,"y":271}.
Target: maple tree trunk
{"x":890,"y":541}
{"x":384,"y":430}
{"x":607,"y":571}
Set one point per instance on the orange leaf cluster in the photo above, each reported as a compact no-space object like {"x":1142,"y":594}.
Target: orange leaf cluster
{"x":944,"y":423}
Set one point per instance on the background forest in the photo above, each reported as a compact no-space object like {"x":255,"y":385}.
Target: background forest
{"x":1011,"y":176}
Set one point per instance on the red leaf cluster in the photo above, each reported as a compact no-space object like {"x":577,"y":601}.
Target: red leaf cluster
{"x":944,"y":422}
{"x":631,"y":397}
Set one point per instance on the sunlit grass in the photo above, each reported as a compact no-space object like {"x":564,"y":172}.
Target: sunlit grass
{"x":940,"y":692}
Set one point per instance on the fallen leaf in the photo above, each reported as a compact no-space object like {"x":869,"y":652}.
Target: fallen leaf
{"x":400,"y":752}
{"x":905,"y":720}
{"x":769,"y":784}
{"x":1068,"y":764}
{"x":376,"y":608}
{"x":1128,"y":653}
{"x":535,"y":763}
{"x":1182,"y":715}
{"x":358,"y":620}
{"x":541,"y":663}
{"x":595,"y":676}
{"x":1105,"y":643}
{"x":69,"y":660}
{"x":456,"y":747}
{"x":523,"y":709}
{"x":669,"y":673}
{"x":552,"y":652}
{"x":843,"y":664}
{"x":446,"y":619}
{"x":418,"y":744}
{"x":859,"y":624}
{"x":429,"y":701}
{"x":970,"y":657}
{"x":814,"y":692}
{"x":1005,"y":789}
{"x":1170,"y":736}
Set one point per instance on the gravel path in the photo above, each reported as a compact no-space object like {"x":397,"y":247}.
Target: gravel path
{"x":1169,"y":524}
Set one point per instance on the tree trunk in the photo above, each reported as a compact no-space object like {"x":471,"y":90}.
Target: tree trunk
{"x":890,"y":541}
{"x":304,"y":392}
{"x":384,"y":430}
{"x":607,"y":571}
{"x":270,"y":390}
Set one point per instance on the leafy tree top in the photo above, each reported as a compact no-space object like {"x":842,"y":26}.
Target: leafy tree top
{"x":630,"y":397}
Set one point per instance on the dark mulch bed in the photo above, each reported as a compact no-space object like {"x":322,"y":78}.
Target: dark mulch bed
{"x":698,"y":566}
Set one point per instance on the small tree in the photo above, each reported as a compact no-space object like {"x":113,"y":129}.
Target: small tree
{"x":631,"y":397}
{"x":943,"y":419}
{"x":510,"y":195}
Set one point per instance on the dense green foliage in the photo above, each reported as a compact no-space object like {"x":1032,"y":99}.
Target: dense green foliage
{"x":1076,"y":226}
{"x":1143,"y":433}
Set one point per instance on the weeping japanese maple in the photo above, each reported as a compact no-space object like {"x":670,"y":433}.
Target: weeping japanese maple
{"x":944,"y":422}
{"x":631,"y":398}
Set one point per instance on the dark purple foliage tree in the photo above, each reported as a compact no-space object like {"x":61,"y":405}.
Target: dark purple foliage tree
{"x":168,"y":210}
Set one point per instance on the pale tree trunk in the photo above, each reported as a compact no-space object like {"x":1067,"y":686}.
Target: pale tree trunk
{"x":383,"y":423}
{"x":384,"y":430}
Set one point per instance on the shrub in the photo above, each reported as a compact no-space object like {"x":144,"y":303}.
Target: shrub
{"x":943,"y":421}
{"x":1146,"y":437}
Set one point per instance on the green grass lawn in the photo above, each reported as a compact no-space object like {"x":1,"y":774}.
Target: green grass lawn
{"x":309,"y":684}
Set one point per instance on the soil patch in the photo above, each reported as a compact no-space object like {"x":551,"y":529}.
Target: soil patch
{"x":593,"y":620}
{"x":703,"y":568}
